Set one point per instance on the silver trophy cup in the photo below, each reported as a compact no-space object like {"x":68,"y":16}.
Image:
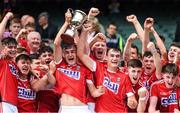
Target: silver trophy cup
{"x":77,"y":20}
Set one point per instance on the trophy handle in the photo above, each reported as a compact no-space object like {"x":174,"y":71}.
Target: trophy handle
{"x":71,"y":10}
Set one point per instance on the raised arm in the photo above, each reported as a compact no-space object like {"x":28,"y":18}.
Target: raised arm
{"x":127,"y":48}
{"x":47,"y":81}
{"x":58,"y":40}
{"x":153,"y":104}
{"x":147,"y":28}
{"x":22,"y":31}
{"x":3,"y":24}
{"x":87,"y":61}
{"x":143,"y":98}
{"x":93,"y":12}
{"x":133,"y":19}
{"x":160,"y":44}
{"x":156,"y":58}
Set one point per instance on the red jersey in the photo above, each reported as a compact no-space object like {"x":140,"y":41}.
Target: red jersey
{"x":167,"y":98}
{"x":26,"y":97}
{"x":117,"y":86}
{"x":146,"y":80}
{"x":47,"y":100}
{"x":9,"y":81}
{"x":71,"y":80}
{"x":135,"y":88}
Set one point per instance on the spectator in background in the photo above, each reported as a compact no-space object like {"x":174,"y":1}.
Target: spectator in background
{"x":15,"y":27}
{"x":46,"y":28}
{"x":33,"y":42}
{"x":26,"y":19}
{"x":114,"y":40}
{"x":114,"y":7}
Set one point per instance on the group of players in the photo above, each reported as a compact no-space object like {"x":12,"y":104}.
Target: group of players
{"x":85,"y":77}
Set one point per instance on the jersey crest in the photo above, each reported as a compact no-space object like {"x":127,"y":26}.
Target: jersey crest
{"x":112,"y":86}
{"x":13,"y":70}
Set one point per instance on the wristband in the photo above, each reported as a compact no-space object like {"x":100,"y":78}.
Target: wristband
{"x":144,"y":98}
{"x":6,"y":17}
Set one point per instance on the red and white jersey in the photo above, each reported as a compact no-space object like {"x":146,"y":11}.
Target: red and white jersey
{"x":9,"y":81}
{"x":26,"y":97}
{"x":168,"y":99}
{"x":117,"y":87}
{"x":47,"y":100}
{"x":146,"y":80}
{"x":71,"y":80}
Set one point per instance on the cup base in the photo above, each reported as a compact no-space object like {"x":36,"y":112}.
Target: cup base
{"x":67,"y":38}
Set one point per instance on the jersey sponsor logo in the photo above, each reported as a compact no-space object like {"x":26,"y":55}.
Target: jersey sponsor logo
{"x":13,"y":70}
{"x":172,"y":99}
{"x":72,"y":74}
{"x":112,"y":86}
{"x":27,"y":94}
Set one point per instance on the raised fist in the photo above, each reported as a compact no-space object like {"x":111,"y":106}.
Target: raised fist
{"x":68,"y":16}
{"x":52,"y":67}
{"x":132,"y":37}
{"x":151,"y":46}
{"x":131,"y":18}
{"x":9,"y":15}
{"x":93,"y":12}
{"x":149,"y":22}
{"x":142,"y":92}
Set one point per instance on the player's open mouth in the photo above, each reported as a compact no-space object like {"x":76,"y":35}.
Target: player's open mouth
{"x":35,"y":43}
{"x":148,"y":68}
{"x":25,"y":68}
{"x":100,"y":52}
{"x":70,"y":59}
{"x":170,"y":84}
{"x":134,"y":78}
{"x":48,"y":61}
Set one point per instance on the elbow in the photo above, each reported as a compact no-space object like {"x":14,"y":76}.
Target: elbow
{"x":56,"y":44}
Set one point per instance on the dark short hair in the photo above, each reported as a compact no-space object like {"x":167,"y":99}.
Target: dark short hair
{"x":135,"y":63}
{"x":67,"y":46}
{"x":147,"y":54}
{"x":170,"y":68}
{"x":15,"y":20}
{"x":9,"y":41}
{"x":22,"y":57}
{"x":45,"y":49}
{"x":176,"y":44}
{"x":112,"y":23}
{"x":43,"y":14}
{"x":34,"y":56}
{"x":135,"y":47}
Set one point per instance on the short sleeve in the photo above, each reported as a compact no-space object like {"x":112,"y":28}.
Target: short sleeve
{"x":154,"y":90}
{"x":128,"y":84}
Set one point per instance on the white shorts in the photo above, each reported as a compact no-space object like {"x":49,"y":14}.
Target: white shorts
{"x":91,"y":106}
{"x":8,"y":108}
{"x":74,"y":109}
